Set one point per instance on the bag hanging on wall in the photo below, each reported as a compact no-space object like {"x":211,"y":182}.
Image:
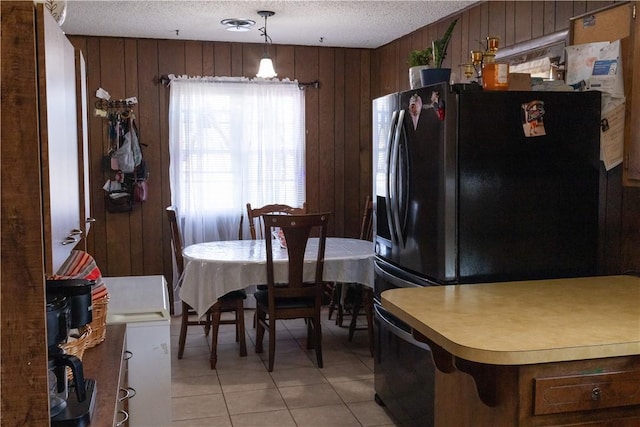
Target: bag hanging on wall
{"x":123,"y":158}
{"x":140,"y":191}
{"x":118,"y":201}
{"x":126,"y":155}
{"x":117,"y":198}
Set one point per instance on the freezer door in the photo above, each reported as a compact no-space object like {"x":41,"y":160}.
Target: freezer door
{"x":404,"y":373}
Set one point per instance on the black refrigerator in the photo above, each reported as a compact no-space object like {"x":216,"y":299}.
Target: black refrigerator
{"x":474,"y":186}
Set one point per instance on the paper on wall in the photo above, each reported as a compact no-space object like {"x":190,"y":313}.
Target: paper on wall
{"x":607,"y":71}
{"x":103,"y":94}
{"x":598,"y":64}
{"x":580,"y":60}
{"x":612,"y":133}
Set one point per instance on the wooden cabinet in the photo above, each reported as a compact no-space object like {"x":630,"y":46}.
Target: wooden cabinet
{"x":585,"y":392}
{"x":599,"y":392}
{"x":61,"y":169}
{"x":83,"y":145}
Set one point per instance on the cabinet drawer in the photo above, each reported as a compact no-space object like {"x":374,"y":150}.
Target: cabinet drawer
{"x":586,"y":392}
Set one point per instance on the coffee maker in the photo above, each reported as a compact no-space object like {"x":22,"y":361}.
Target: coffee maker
{"x":69,"y":305}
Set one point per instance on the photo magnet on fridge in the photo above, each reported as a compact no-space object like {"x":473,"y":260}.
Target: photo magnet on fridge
{"x":532,"y":118}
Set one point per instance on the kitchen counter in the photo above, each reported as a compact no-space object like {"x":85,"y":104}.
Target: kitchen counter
{"x":104,"y":364}
{"x":516,"y":323}
{"x":546,"y":352}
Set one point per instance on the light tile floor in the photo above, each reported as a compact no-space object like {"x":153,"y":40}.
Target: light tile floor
{"x":240,"y":392}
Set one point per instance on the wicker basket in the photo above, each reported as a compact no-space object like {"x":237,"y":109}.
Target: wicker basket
{"x":99,"y":323}
{"x":77,"y":345}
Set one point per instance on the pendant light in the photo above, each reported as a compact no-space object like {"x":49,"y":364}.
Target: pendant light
{"x":266,"y":70}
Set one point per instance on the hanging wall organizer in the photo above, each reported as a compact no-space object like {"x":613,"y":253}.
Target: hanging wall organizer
{"x":123,"y":163}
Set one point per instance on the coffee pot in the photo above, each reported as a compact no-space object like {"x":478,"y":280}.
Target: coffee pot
{"x":58,"y":382}
{"x":69,"y":305}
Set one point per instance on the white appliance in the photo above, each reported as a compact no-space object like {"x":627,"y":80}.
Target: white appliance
{"x":142,"y":303}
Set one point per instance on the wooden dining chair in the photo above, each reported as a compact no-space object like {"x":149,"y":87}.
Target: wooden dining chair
{"x":231,"y":302}
{"x":293,"y":298}
{"x":256,"y":225}
{"x":335,"y":289}
{"x":361,"y":297}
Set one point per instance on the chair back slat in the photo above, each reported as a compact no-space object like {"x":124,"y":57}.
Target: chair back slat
{"x":297,"y":230}
{"x":366,"y":227}
{"x":176,"y":238}
{"x":255,"y":216}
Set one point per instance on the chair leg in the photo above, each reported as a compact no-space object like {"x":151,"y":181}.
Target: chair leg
{"x":335,"y":298}
{"x":171,"y":298}
{"x":272,"y":343}
{"x":357,"y":302}
{"x":207,"y":324}
{"x":237,"y":314}
{"x":183,"y":329}
{"x":240,"y":335}
{"x":317,"y":330}
{"x":311,"y":339}
{"x":340,"y":315}
{"x":215,"y":324}
{"x":261,"y":316}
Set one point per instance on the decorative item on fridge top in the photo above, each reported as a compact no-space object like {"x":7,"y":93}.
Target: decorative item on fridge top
{"x":489,"y":73}
{"x":439,"y":47}
{"x":127,"y":183}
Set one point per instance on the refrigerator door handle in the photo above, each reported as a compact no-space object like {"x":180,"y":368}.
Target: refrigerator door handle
{"x":389,"y":181}
{"x":394,"y":280}
{"x":403,"y":187}
{"x":393,"y":193}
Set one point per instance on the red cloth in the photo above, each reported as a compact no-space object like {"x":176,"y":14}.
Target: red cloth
{"x":81,"y":265}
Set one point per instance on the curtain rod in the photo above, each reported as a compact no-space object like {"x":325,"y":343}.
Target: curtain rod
{"x":165,"y":79}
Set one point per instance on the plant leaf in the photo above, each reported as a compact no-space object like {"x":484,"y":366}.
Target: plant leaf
{"x":439,"y":46}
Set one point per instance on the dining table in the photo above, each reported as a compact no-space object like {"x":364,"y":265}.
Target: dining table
{"x":213,"y":269}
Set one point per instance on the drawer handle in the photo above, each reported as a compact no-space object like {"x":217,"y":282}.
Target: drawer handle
{"x":596,"y":393}
{"x":129,"y":392}
{"x":127,"y":355}
{"x":124,"y":420}
{"x":69,"y":240}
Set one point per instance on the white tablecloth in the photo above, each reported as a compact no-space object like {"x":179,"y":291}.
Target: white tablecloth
{"x":213,"y":269}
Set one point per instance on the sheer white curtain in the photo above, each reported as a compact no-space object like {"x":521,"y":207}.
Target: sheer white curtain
{"x":233,"y":141}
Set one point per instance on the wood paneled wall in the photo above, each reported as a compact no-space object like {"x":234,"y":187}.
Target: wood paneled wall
{"x":338,"y":114}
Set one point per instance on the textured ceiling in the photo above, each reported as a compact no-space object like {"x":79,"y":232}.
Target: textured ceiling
{"x":360,"y":24}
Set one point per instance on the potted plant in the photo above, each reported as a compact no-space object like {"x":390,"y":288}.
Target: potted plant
{"x":418,"y":61}
{"x":438,"y":53}
{"x":420,"y":57}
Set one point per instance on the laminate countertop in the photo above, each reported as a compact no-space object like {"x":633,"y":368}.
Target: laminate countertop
{"x":527,"y":322}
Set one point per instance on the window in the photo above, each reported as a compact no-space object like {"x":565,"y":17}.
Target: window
{"x":233,"y":141}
